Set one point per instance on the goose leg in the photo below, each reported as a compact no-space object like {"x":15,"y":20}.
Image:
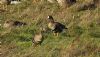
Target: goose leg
{"x":57,"y":34}
{"x":54,"y":34}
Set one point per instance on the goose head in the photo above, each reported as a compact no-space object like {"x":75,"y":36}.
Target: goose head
{"x":50,"y":18}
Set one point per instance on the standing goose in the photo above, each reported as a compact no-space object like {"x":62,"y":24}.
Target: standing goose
{"x":56,"y":27}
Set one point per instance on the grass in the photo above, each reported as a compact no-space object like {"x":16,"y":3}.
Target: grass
{"x":81,"y":39}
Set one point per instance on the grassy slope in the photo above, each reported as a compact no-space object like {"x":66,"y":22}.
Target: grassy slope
{"x":82,"y":39}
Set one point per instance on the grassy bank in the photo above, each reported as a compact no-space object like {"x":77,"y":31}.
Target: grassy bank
{"x":81,"y":39}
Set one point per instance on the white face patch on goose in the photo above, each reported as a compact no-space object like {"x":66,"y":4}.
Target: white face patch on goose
{"x":48,"y":17}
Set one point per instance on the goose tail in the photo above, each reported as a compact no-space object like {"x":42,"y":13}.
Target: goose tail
{"x":66,"y":28}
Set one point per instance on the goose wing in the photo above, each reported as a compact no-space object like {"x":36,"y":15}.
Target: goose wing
{"x":59,"y":25}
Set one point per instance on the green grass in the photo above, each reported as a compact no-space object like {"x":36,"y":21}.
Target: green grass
{"x":81,"y":39}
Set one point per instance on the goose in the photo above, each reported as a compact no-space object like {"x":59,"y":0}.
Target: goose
{"x":56,"y":27}
{"x":38,"y":38}
{"x":12,"y":23}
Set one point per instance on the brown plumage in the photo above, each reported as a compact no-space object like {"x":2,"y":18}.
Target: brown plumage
{"x":56,"y":27}
{"x":38,"y":37}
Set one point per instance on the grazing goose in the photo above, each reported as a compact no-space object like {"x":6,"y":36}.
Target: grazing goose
{"x":12,"y":23}
{"x":56,"y":27}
